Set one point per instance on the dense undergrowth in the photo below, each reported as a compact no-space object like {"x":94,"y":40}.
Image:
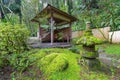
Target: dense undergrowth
{"x":54,"y":64}
{"x":39,"y":64}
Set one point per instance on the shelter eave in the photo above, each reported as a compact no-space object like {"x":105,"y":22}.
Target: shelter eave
{"x":51,"y":11}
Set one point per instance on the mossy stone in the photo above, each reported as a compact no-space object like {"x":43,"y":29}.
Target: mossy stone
{"x":88,"y":33}
{"x":93,"y":64}
{"x":90,"y":55}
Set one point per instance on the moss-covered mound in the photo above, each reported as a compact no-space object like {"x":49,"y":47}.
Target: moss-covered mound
{"x":57,"y":63}
{"x":53,"y":62}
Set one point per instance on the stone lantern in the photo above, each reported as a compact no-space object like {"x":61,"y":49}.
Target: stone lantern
{"x":88,"y":51}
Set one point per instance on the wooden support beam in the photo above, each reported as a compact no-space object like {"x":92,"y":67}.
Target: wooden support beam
{"x":40,"y":34}
{"x":52,"y":30}
{"x":70,"y":37}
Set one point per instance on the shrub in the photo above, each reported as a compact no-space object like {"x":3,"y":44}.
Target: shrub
{"x":20,"y":62}
{"x":13,"y":38}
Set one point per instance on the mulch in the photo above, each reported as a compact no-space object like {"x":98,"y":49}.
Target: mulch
{"x":5,"y":73}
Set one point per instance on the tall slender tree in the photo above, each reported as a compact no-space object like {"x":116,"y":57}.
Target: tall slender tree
{"x":10,"y":6}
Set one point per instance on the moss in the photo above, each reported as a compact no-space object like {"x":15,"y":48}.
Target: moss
{"x":53,"y":62}
{"x":63,"y":67}
{"x":58,"y":64}
{"x":87,"y":33}
{"x":90,"y":54}
{"x":45,"y":61}
{"x":89,"y":39}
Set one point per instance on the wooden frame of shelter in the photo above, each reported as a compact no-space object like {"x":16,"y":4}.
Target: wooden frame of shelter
{"x":55,"y":17}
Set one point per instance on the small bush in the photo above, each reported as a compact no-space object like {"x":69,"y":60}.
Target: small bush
{"x":13,"y":38}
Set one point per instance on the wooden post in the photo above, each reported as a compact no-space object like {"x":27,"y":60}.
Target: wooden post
{"x":70,"y":37}
{"x":52,"y":30}
{"x":40,"y":34}
{"x":88,"y":24}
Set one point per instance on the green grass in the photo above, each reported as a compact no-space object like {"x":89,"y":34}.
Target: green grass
{"x":110,"y":48}
{"x":54,"y":58}
{"x":72,"y":72}
{"x":113,"y":49}
{"x":57,"y":64}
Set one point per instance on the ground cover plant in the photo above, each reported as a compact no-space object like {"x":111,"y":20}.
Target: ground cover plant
{"x":60,"y":64}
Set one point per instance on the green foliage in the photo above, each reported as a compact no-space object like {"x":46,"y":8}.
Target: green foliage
{"x":89,"y":39}
{"x":1,"y":62}
{"x":74,"y":49}
{"x":74,"y":40}
{"x":21,"y":61}
{"x":13,"y":42}
{"x":88,"y":33}
{"x":12,"y":9}
{"x":63,"y":66}
{"x":13,"y":38}
{"x":101,"y":13}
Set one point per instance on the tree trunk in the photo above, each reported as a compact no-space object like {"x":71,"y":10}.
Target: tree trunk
{"x":20,"y":17}
{"x":2,"y":15}
{"x":111,"y":37}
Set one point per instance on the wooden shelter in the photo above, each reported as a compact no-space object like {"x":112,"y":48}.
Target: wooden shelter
{"x":55,"y":18}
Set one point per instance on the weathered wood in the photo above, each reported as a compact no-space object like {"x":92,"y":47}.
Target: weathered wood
{"x":40,"y":33}
{"x":70,"y":38}
{"x":54,"y":15}
{"x":48,"y":45}
{"x":60,"y":16}
{"x":52,"y":31}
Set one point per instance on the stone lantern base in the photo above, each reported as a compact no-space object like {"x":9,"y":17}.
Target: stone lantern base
{"x":89,"y":52}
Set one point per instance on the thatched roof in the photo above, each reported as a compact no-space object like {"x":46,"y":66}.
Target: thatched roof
{"x":60,"y":17}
